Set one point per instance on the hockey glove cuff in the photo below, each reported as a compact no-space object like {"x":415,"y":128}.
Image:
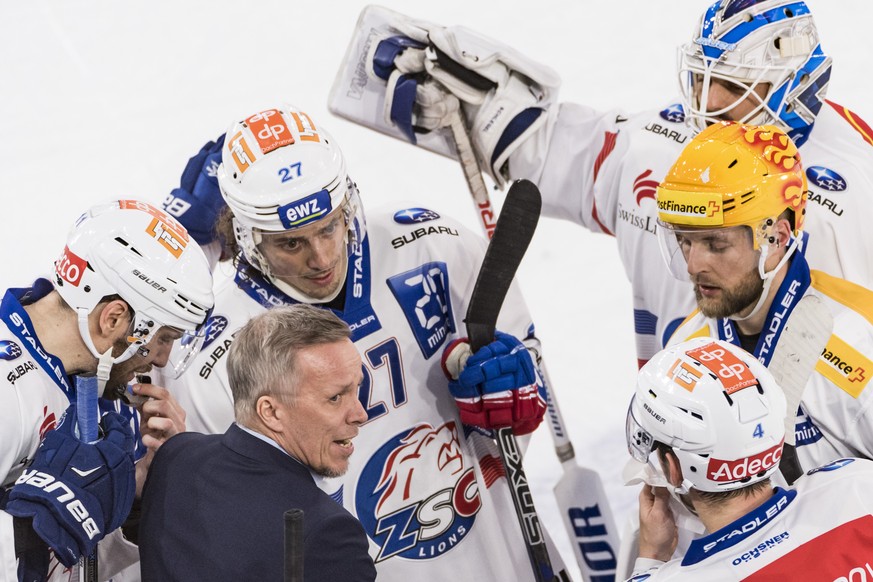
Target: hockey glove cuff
{"x":498,"y":386}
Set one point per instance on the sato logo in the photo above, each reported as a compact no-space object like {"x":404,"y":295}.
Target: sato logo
{"x":70,"y":267}
{"x":305,"y":210}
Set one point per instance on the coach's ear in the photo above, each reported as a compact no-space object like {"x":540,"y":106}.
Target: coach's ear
{"x":270,"y":410}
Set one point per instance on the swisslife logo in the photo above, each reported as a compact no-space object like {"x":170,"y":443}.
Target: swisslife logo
{"x":728,"y":471}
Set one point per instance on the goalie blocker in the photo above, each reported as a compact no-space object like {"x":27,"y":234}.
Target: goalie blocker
{"x":398,"y":73}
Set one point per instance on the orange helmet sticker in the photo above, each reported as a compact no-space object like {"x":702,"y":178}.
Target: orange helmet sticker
{"x":240,"y":152}
{"x":732,"y":372}
{"x":168,"y":222}
{"x":305,"y":127}
{"x":270,"y":129}
{"x":684,"y":375}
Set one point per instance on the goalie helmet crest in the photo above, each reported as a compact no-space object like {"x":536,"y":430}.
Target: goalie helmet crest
{"x":749,"y":43}
{"x":716,"y":406}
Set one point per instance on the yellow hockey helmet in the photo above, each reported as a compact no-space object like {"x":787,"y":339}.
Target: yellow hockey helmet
{"x":734,"y":175}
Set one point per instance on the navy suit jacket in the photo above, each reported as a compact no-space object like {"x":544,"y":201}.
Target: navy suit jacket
{"x":213,"y":509}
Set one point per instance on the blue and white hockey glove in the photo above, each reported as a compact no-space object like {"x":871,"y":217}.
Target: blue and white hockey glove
{"x":76,"y":492}
{"x":496,"y":387}
{"x":503,"y":95}
{"x":197,"y":202}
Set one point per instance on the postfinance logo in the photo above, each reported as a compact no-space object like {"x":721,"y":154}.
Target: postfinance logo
{"x":844,"y":366}
{"x":690,"y":208}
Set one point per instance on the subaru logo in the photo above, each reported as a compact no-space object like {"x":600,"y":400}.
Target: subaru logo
{"x":9,"y":350}
{"x":415,"y":215}
{"x":826,"y":179}
{"x":674,"y":114}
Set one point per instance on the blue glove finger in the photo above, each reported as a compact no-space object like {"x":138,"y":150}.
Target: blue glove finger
{"x":117,"y":431}
{"x":387,"y":51}
{"x":402,"y":106}
{"x":197,"y":203}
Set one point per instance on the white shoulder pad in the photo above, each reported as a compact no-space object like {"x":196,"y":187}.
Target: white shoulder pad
{"x":358,"y":96}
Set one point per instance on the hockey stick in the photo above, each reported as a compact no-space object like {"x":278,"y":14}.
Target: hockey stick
{"x":585,"y":510}
{"x":806,"y":334}
{"x":510,"y":239}
{"x":294,"y":545}
{"x":87,"y":418}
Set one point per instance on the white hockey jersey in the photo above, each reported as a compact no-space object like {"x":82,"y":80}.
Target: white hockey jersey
{"x":836,"y":416}
{"x":34,"y":393}
{"x":431,"y":494}
{"x":601,"y":170}
{"x":820,"y":530}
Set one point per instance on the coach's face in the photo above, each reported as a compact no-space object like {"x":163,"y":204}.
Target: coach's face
{"x":323,"y":414}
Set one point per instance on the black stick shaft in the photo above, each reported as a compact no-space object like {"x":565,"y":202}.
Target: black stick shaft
{"x":512,"y":235}
{"x":294,"y":545}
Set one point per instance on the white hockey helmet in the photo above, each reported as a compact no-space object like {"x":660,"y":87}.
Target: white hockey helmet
{"x":719,"y":409}
{"x":748,"y":42}
{"x":131,"y":249}
{"x":280,"y":172}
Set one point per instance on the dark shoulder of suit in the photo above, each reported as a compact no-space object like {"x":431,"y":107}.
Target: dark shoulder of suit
{"x":213,"y":509}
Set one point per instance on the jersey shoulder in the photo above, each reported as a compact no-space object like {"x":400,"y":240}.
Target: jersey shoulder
{"x":412,"y":227}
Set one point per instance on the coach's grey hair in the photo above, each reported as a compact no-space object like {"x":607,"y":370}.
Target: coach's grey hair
{"x":262,"y":358}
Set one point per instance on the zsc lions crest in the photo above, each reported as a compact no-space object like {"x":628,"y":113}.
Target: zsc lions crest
{"x":417,"y":497}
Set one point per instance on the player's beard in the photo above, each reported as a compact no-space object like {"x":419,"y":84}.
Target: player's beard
{"x":732,"y":301}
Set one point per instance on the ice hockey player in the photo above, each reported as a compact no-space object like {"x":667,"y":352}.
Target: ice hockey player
{"x":745,"y":254}
{"x":758,"y":62}
{"x":128,"y":284}
{"x":428,"y":488}
{"x":714,"y":416}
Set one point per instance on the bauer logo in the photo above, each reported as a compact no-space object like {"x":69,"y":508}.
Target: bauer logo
{"x":826,"y":178}
{"x":214,"y":327}
{"x":9,"y":350}
{"x":674,"y":114}
{"x":306,"y":210}
{"x":423,"y":294}
{"x":832,"y":466}
{"x":417,"y":497}
{"x":415,"y":215}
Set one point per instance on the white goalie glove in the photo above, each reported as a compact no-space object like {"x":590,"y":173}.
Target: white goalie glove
{"x":420,"y":75}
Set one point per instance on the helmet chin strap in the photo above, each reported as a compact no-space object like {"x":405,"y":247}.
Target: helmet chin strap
{"x":105,"y":361}
{"x":768,"y":276}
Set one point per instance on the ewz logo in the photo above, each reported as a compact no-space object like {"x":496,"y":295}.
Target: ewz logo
{"x":417,"y":496}
{"x":305,"y":210}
